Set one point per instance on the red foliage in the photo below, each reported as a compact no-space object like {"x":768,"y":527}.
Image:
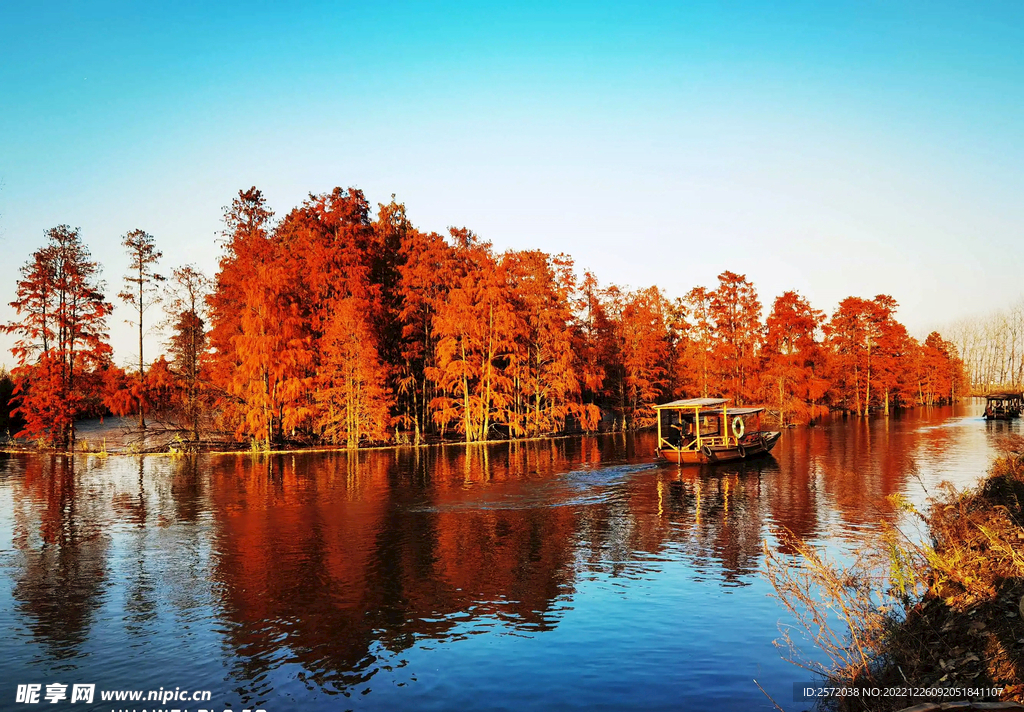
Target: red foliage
{"x":120,"y":392}
{"x":697,"y":358}
{"x":426,"y":274}
{"x":793,"y":360}
{"x":475,"y":328}
{"x":942,"y":376}
{"x":331,"y":326}
{"x":736,"y":312}
{"x":261,"y":349}
{"x":62,"y":348}
{"x":544,"y":369}
{"x":351,"y":393}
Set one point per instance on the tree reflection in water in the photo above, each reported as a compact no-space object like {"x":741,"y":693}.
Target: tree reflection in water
{"x":317,"y":572}
{"x":60,"y":552}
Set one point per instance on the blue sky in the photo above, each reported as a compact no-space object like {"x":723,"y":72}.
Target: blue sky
{"x":834,"y":148}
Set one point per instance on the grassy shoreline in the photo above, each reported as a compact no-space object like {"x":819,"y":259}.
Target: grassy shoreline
{"x":947,"y":613}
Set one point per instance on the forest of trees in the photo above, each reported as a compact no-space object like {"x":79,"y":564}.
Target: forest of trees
{"x":339,"y":326}
{"x":992,"y":349}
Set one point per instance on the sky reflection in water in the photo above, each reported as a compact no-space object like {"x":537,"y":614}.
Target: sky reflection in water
{"x":563,"y":574}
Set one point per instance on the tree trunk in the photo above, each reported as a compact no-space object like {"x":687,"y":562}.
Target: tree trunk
{"x":467,"y":417}
{"x":867,"y":384}
{"x":142,"y":379}
{"x":856,"y":387}
{"x":142,"y":376}
{"x":486,"y":405}
{"x":782,"y":407}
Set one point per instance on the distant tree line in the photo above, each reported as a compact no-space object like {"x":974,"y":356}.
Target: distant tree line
{"x":992,"y":349}
{"x":335,"y":325}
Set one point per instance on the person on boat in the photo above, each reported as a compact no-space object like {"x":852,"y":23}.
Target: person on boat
{"x":677,"y":433}
{"x":681,"y":432}
{"x":685,"y":432}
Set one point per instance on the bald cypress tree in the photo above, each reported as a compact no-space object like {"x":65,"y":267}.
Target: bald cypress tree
{"x":141,"y":292}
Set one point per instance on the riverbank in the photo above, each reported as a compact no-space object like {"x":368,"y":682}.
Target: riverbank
{"x":572,"y":563}
{"x":961,"y":622}
{"x":967,"y":630}
{"x":119,"y":436}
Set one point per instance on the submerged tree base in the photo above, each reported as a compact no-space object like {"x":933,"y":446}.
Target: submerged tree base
{"x":161,"y":438}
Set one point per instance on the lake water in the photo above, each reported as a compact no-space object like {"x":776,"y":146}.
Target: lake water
{"x":574,"y":573}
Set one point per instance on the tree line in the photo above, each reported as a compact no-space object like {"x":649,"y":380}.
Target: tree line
{"x":992,"y":349}
{"x":336,"y":325}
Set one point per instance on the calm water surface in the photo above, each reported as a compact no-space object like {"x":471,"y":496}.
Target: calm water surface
{"x":567,"y":574}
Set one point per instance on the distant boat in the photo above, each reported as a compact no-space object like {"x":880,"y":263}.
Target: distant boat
{"x":1003,"y":406}
{"x":706,"y":430}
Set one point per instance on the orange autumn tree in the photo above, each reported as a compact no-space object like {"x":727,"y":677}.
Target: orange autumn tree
{"x":391,"y":231}
{"x":121,"y":389}
{"x":607,"y":350}
{"x":36,"y":303}
{"x":544,"y":368}
{"x":588,"y":314}
{"x":869,"y":347}
{"x":907,"y":390}
{"x":186,"y":312}
{"x":475,"y":329}
{"x":61,"y":347}
{"x":893,"y":352}
{"x":260,"y":349}
{"x":681,"y":381}
{"x":942,"y":376}
{"x":635,"y":353}
{"x":333,"y":251}
{"x":736,"y":311}
{"x":351,"y":392}
{"x":848,"y":333}
{"x":697,"y":355}
{"x":120,"y":392}
{"x":646,"y":344}
{"x":162,"y":387}
{"x":426,"y":274}
{"x":272,"y":349}
{"x":793,"y":360}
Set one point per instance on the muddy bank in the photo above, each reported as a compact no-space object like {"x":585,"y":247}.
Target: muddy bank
{"x":961,"y":622}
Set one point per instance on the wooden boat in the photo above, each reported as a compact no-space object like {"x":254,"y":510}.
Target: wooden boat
{"x":1003,"y":406}
{"x":706,"y":430}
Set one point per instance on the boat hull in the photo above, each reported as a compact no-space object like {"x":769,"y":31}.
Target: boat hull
{"x":755,"y":445}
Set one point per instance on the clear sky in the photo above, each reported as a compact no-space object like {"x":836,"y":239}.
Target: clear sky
{"x":833,"y":148}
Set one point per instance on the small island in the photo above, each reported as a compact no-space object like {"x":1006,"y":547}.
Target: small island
{"x":339,"y":326}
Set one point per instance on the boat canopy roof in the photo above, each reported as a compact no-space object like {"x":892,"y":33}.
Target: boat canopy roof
{"x":745,"y":411}
{"x":707,"y":405}
{"x":693,"y":403}
{"x":999,"y":396}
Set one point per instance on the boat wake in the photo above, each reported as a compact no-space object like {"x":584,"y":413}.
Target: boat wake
{"x":580,"y":487}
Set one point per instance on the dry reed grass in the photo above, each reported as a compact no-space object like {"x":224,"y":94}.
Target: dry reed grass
{"x":945,"y":613}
